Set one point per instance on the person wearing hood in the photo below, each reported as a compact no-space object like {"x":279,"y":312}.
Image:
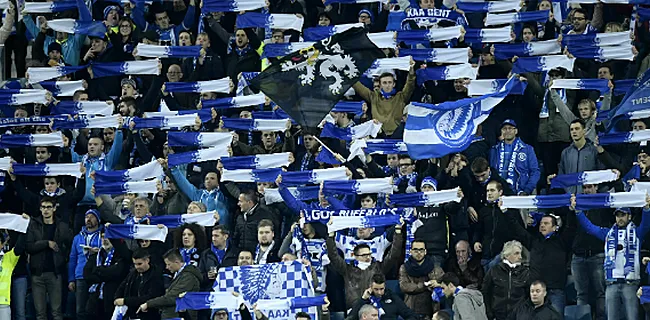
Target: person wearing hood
{"x":416,"y":277}
{"x":468,"y":303}
{"x":505,"y":284}
{"x":186,"y":278}
{"x":389,"y":304}
{"x":537,"y":307}
{"x":84,"y":244}
{"x":144,"y":282}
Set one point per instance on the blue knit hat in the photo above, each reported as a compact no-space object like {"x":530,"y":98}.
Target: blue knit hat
{"x":428,"y":181}
{"x":108,"y":9}
{"x":95,"y":213}
{"x":369,"y":13}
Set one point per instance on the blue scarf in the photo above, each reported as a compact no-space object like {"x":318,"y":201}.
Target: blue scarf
{"x":218,"y":252}
{"x":387,"y":95}
{"x":457,"y":290}
{"x":107,"y":262}
{"x":243,"y":51}
{"x":611,"y":243}
{"x":437,"y":294}
{"x":509,"y":172}
{"x":544,"y":112}
{"x":187,"y":255}
{"x":376,"y":302}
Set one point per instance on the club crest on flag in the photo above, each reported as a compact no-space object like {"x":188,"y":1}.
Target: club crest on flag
{"x":330,"y":62}
{"x":134,"y":230}
{"x":451,"y":126}
{"x":541,"y":62}
{"x":528,"y":49}
{"x":433,"y":54}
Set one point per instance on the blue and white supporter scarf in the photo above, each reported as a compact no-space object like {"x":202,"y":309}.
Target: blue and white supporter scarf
{"x":510,"y":172}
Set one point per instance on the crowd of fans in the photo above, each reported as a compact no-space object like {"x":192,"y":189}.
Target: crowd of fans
{"x":467,"y":260}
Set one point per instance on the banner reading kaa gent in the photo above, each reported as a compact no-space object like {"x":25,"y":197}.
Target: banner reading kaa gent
{"x":268,"y":281}
{"x":308,"y":83}
{"x":433,"y":131}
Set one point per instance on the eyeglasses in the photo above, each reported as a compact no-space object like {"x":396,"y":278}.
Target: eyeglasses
{"x":173,"y":73}
{"x":364,"y":254}
{"x":418,"y":249}
{"x":47,"y":207}
{"x":579,"y":18}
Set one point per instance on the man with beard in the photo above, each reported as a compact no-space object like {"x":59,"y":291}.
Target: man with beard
{"x":306,"y":160}
{"x":87,"y":242}
{"x":416,"y":278}
{"x":267,"y":249}
{"x":246,"y":223}
{"x":220,"y":254}
{"x":245,"y":258}
{"x":269,"y":144}
{"x":466,"y":266}
{"x":143,"y":283}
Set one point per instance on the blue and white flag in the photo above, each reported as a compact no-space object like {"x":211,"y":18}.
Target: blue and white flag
{"x":487,"y":86}
{"x":5,"y":163}
{"x":209,"y":300}
{"x":15,"y":222}
{"x":429,"y":198}
{"x":273,"y":50}
{"x":385,"y":146}
{"x":388,"y":65}
{"x":582,"y":84}
{"x":452,"y":72}
{"x":610,"y":200}
{"x":234,"y":102}
{"x":544,"y":63}
{"x":62,"y":88}
{"x":494,"y":19}
{"x":118,"y":188}
{"x":203,"y":114}
{"x":341,"y":223}
{"x":47,"y":170}
{"x":149,"y":170}
{"x":442,"y":55}
{"x":155,"y":51}
{"x":270,"y":20}
{"x":87,"y":122}
{"x":269,"y":281}
{"x":489,"y":6}
{"x":259,"y":161}
{"x":16,"y":99}
{"x":529,"y":49}
{"x":296,"y":178}
{"x":54,"y":139}
{"x":624,"y":52}
{"x":136,"y":232}
{"x":489,"y":35}
{"x":166,"y":122}
{"x":433,"y":131}
{"x":83,"y":107}
{"x":624,"y":137}
{"x":423,"y":18}
{"x":199,"y":139}
{"x":109,"y":69}
{"x":119,"y":312}
{"x":645,"y":2}
{"x":623,"y":86}
{"x":171,"y":221}
{"x":355,"y":107}
{"x":362,"y":186}
{"x":291,"y":303}
{"x":323,"y":216}
{"x":232,"y":5}
{"x":582,"y":178}
{"x":272,"y":195}
{"x":431,"y":35}
{"x":72,"y":26}
{"x":640,"y":186}
{"x":39,"y":74}
{"x":329,"y":2}
{"x":221,"y":86}
{"x":31,"y":121}
{"x":255,"y":124}
{"x":49,"y":7}
{"x":251,"y":175}
{"x":320,"y":33}
{"x":368,"y":128}
{"x":634,"y":101}
{"x":596,"y":39}
{"x":244,"y":81}
{"x":539,"y":202}
{"x":4,"y":4}
{"x":203,"y":155}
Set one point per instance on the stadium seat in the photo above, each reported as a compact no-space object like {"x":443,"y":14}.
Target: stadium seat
{"x":577,"y":312}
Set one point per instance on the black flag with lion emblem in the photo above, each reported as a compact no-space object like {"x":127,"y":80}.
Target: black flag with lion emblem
{"x":308,"y":83}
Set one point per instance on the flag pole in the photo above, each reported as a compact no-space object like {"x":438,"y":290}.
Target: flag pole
{"x":328,"y":149}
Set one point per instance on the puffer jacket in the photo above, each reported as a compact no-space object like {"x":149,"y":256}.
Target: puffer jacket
{"x":357,"y":280}
{"x":188,"y":280}
{"x":503,"y":288}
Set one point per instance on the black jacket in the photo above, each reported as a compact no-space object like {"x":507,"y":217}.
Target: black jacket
{"x":245,"y":230}
{"x":586,"y":245}
{"x":66,"y":202}
{"x":150,"y":286}
{"x":503,"y":288}
{"x":110,"y":275}
{"x":37,"y":245}
{"x":526,"y":311}
{"x":477,"y":195}
{"x":434,"y":231}
{"x":392,"y":304}
{"x":494,"y":229}
{"x":208,"y":259}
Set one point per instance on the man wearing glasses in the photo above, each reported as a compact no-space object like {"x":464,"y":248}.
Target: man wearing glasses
{"x":579,"y":23}
{"x":48,"y":246}
{"x":514,"y":160}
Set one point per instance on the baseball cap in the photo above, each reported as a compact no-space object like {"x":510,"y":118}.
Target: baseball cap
{"x":509,"y":122}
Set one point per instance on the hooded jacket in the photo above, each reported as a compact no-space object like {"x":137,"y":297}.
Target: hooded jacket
{"x":469,"y":305}
{"x":189,"y":279}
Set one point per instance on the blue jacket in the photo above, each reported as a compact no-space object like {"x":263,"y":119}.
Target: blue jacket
{"x":78,"y":255}
{"x":526,"y":168}
{"x":213,"y":200}
{"x":103,"y":162}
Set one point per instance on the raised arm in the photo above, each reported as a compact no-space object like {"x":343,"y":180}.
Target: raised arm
{"x":184,"y":185}
{"x":113,"y":156}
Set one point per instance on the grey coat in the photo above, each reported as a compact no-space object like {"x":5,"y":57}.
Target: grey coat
{"x":574,"y":160}
{"x":469,"y":304}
